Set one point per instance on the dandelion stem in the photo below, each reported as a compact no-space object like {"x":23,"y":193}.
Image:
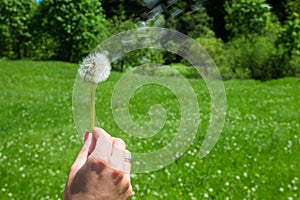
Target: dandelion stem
{"x":92,"y":104}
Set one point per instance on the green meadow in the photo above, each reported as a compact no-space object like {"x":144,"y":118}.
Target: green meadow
{"x":256,"y":156}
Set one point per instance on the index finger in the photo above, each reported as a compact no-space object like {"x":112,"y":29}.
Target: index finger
{"x":103,"y":146}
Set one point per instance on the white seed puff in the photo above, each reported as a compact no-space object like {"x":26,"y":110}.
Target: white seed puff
{"x":95,"y":68}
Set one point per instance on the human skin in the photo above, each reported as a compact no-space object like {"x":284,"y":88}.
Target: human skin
{"x":96,"y":172}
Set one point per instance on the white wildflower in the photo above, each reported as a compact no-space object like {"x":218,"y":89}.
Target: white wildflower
{"x":95,"y":68}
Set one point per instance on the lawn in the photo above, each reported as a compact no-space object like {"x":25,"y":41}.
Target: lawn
{"x":256,"y":157}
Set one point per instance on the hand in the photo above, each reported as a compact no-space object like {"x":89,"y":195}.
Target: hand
{"x":96,"y":173}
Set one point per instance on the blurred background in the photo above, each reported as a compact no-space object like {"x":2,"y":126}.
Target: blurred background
{"x":257,"y":39}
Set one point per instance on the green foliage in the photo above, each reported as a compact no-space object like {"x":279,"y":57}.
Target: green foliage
{"x":193,"y":23}
{"x":247,"y":17}
{"x":215,"y":50}
{"x":130,"y":9}
{"x":295,"y":64}
{"x":290,"y":33}
{"x":44,"y":47}
{"x":256,"y":157}
{"x":118,"y":24}
{"x":255,"y":58}
{"x":14,"y":27}
{"x":139,"y":57}
{"x":187,"y":71}
{"x":77,"y":26}
{"x":214,"y":47}
{"x":251,"y":52}
{"x":68,"y":30}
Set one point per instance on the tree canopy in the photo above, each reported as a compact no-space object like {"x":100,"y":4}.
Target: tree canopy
{"x":15,"y":16}
{"x":69,"y":29}
{"x":77,"y":25}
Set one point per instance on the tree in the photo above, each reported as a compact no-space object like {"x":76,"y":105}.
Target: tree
{"x":247,"y":17}
{"x":129,"y":9}
{"x":192,"y":23}
{"x":78,"y":26}
{"x":14,"y":31}
{"x":290,"y":33}
{"x":289,"y":37}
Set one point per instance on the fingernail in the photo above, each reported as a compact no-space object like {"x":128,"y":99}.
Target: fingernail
{"x":86,"y":136}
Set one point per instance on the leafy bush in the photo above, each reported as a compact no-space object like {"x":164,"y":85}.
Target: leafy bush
{"x":137,"y":58}
{"x":214,"y":47}
{"x":295,"y":64}
{"x":186,"y":71}
{"x":255,"y":58}
{"x":247,"y":17}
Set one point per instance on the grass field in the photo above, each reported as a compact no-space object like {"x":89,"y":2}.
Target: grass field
{"x":256,"y":157}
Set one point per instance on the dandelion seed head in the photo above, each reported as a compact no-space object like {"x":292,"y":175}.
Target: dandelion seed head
{"x":95,"y":68}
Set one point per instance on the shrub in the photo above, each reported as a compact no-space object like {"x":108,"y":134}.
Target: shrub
{"x":214,"y":47}
{"x":141,"y":57}
{"x":255,"y":58}
{"x":186,"y":71}
{"x":295,"y":64}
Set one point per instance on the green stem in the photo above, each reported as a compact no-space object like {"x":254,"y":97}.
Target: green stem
{"x":92,"y":104}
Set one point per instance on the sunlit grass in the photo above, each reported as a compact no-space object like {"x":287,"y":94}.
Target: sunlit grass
{"x":256,"y":157}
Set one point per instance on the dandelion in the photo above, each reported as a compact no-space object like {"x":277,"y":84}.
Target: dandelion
{"x":94,"y":69}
